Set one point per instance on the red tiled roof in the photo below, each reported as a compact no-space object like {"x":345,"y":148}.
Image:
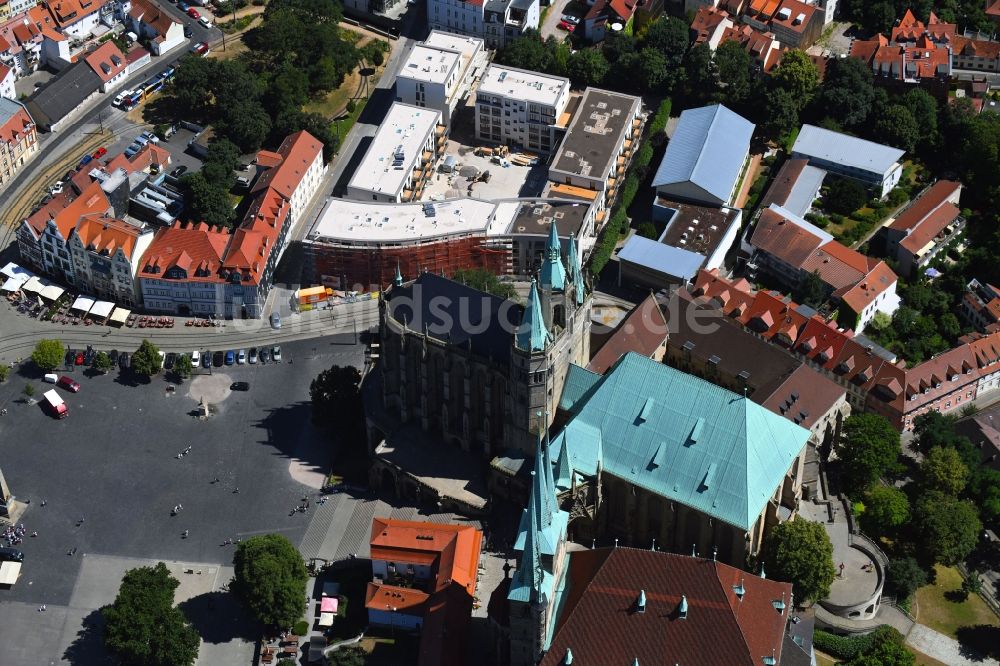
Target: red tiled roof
{"x":92,"y":200}
{"x":705,"y":21}
{"x":930,"y":227}
{"x":976,"y":47}
{"x":762,"y":46}
{"x":994,"y":9}
{"x":67,"y":12}
{"x":194,"y":249}
{"x":784,"y":239}
{"x":835,"y":265}
{"x":784,"y":182}
{"x":910,"y":29}
{"x":864,"y":293}
{"x":402,"y":599}
{"x":642,"y":331}
{"x":14,"y":129}
{"x":107,"y":61}
{"x":796,"y":8}
{"x":151,"y":14}
{"x":925,"y":204}
{"x":298,"y":152}
{"x":599,"y":622}
{"x":103,"y":234}
{"x":455,"y":547}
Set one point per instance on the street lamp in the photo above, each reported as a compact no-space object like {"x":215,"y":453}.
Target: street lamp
{"x":392,"y":623}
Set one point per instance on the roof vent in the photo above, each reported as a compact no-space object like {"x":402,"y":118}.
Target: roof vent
{"x":640,"y":603}
{"x":682,"y":608}
{"x":647,"y":409}
{"x":780,"y":604}
{"x":770,"y":661}
{"x":709,"y":476}
{"x":659,"y":458}
{"x":740,"y":590}
{"x":568,"y":659}
{"x":696,"y":430}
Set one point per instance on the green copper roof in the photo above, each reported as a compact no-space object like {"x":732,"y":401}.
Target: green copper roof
{"x":564,"y":471}
{"x":553,"y":273}
{"x":683,"y":438}
{"x":531,"y":334}
{"x":579,"y":381}
{"x":398,"y":280}
{"x":575,"y":271}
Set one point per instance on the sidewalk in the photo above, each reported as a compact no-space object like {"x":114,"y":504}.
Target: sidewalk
{"x":943,"y":648}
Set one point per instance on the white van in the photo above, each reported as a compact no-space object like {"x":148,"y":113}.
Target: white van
{"x":195,"y":358}
{"x":50,"y":378}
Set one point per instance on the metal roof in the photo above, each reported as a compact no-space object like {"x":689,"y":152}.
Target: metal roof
{"x":708,"y":148}
{"x":715,"y":451}
{"x":845,"y":150}
{"x":663,"y":258}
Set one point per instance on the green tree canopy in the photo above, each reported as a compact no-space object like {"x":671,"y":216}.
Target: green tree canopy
{"x":484,"y":280}
{"x":183,"y":366}
{"x":142,"y":627}
{"x":337,"y":392}
{"x":797,"y":75}
{"x":869,"y":447}
{"x":887,"y":649}
{"x":586,"y":67}
{"x":103,"y":362}
{"x":349,"y":656}
{"x":906,"y":576}
{"x":270,"y":578}
{"x":527,"y":52}
{"x":942,"y":469}
{"x":800,"y":552}
{"x":732,"y":65}
{"x":984,"y":490}
{"x":847,"y":93}
{"x":48,"y":354}
{"x":208,"y":202}
{"x":886,"y":509}
{"x":844,"y":196}
{"x":949,"y":527}
{"x":146,"y":359}
{"x":896,"y":126}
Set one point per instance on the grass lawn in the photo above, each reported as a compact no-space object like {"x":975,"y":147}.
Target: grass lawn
{"x":332,"y":104}
{"x":938,"y":612}
{"x":824,"y":659}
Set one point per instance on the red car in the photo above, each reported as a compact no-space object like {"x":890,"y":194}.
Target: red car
{"x":563,"y":25}
{"x":193,"y":13}
{"x":201,"y":48}
{"x":79,"y":358}
{"x":68,"y":384}
{"x":100,"y":152}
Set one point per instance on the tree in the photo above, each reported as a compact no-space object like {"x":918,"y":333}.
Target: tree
{"x":103,"y":362}
{"x":896,"y":126}
{"x":886,"y":508}
{"x":813,"y":290}
{"x":844,"y":196}
{"x":208,"y":202}
{"x":270,"y":578}
{"x":48,"y":354}
{"x":652,"y":70}
{"x":349,"y":656}
{"x":224,"y":152}
{"x":183,"y":366}
{"x":142,"y":626}
{"x":146,"y":359}
{"x":336,"y":392}
{"x":668,"y":35}
{"x":847,"y":94}
{"x":868,"y":448}
{"x":484,"y":280}
{"x":246,"y":123}
{"x":949,"y":528}
{"x":906,"y":576}
{"x":942,"y":469}
{"x":647,"y":230}
{"x":886,"y":649}
{"x":4,"y":373}
{"x":782,"y":112}
{"x":700,"y":73}
{"x":797,"y":75}
{"x":732,"y":63}
{"x":29,"y":390}
{"x":800,"y":552}
{"x":924,"y":109}
{"x":984,"y":490}
{"x":527,"y":52}
{"x":587,"y":67}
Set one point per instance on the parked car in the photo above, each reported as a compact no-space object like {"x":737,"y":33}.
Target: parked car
{"x":188,"y":32}
{"x":183,"y":6}
{"x":152,"y":138}
{"x":11,"y":555}
{"x":275,"y":320}
{"x":253,"y":356}
{"x":193,"y":13}
{"x":205,"y":23}
{"x":132,"y":150}
{"x":68,"y":384}
{"x":50,"y":378}
{"x":218,"y":358}
{"x":201,"y":48}
{"x":569,"y":18}
{"x":195,"y":358}
{"x":206,"y":360}
{"x":241,"y":357}
{"x":57,"y":188}
{"x":242,"y":181}
{"x":120,"y":97}
{"x":276,"y":353}
{"x":239,"y":386}
{"x":230,"y":357}
{"x":263,"y":355}
{"x":169,"y":361}
{"x":86,"y":159}
{"x":179,"y":171}
{"x":100,"y":152}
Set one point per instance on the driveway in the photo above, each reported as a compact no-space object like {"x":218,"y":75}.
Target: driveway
{"x":554,"y":15}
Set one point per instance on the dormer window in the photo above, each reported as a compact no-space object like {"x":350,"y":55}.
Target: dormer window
{"x":682,"y":608}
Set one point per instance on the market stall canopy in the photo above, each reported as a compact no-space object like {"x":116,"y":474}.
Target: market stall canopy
{"x":120,"y":316}
{"x":9,"y":572}
{"x":13,"y":270}
{"x":14,"y":283}
{"x":83,"y":304}
{"x":325,"y":619}
{"x":51,"y":292}
{"x":101,"y":309}
{"x":33,"y":285}
{"x":328,"y":605}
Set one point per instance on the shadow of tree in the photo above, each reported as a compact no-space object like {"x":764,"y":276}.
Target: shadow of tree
{"x":87,"y":649}
{"x":218,"y":617}
{"x":979,"y":642}
{"x":956,"y":596}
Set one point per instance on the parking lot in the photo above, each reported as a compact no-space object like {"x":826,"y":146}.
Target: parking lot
{"x":110,"y":475}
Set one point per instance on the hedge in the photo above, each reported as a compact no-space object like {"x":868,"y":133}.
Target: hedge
{"x":848,"y":647}
{"x":659,"y":123}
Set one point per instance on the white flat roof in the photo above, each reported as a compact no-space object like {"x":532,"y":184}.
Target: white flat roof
{"x":358,"y":222}
{"x":523,"y":85}
{"x":429,"y":64}
{"x":9,"y":572}
{"x":467,"y":46}
{"x":404,"y":126}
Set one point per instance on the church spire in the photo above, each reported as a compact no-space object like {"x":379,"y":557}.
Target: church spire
{"x":547,"y":465}
{"x":532,"y":335}
{"x":575,"y":270}
{"x":529,"y":572}
{"x":398,"y":280}
{"x":564,"y":469}
{"x":553,"y":273}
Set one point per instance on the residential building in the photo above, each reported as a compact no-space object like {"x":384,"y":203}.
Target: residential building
{"x":180,"y":271}
{"x":876,"y":166}
{"x":599,"y":144}
{"x":795,"y":187}
{"x":706,"y":157}
{"x":30,"y":40}
{"x":666,"y":605}
{"x":65,"y":96}
{"x":525,"y":225}
{"x":7,"y":78}
{"x":709,"y":25}
{"x":914,"y":54}
{"x":16,"y":7}
{"x":108,"y":62}
{"x":79,"y":18}
{"x":608,"y":15}
{"x":439,"y":72}
{"x":993,"y":11}
{"x":106,"y":257}
{"x":976,"y":54}
{"x":694,"y":238}
{"x":521,"y":108}
{"x":931,"y":222}
{"x":425,"y":576}
{"x":400,"y":157}
{"x":762,"y":47}
{"x":790,"y":249}
{"x":148,"y":20}
{"x":18,"y":138}
{"x":457,"y":16}
{"x":981,"y":305}
{"x":875,"y":380}
{"x":506,"y":20}
{"x":521,"y":352}
{"x":981,"y":431}
{"x":796,"y":24}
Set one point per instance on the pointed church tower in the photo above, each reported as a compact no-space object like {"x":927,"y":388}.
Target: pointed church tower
{"x":398,"y":280}
{"x":532,"y":335}
{"x":553,"y":273}
{"x":564,"y":469}
{"x":575,"y":270}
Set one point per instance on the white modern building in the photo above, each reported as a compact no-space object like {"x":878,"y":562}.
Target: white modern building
{"x":520,"y":108}
{"x":498,"y":22}
{"x":400,"y":157}
{"x":875,"y":165}
{"x":439,"y":72}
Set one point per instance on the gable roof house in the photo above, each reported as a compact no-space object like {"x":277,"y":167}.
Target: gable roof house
{"x":79,"y":18}
{"x":108,"y":62}
{"x":31,"y":40}
{"x":605,"y":15}
{"x":64,"y":97}
{"x":925,"y":227}
{"x":914,"y":54}
{"x":147,"y":19}
{"x":18,"y":138}
{"x":706,"y":157}
{"x":875,"y":165}
{"x":708,"y":26}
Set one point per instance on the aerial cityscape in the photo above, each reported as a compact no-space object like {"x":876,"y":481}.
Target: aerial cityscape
{"x":500,"y":332}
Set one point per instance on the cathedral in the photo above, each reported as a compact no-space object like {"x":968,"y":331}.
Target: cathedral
{"x":477,"y":369}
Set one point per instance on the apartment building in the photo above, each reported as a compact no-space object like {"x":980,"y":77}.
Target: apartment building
{"x":439,"y":72}
{"x":7,"y":78}
{"x":401,"y":156}
{"x":927,"y":226}
{"x":464,"y":17}
{"x":18,"y":138}
{"x":521,"y":108}
{"x":876,"y":166}
{"x":106,"y":254}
